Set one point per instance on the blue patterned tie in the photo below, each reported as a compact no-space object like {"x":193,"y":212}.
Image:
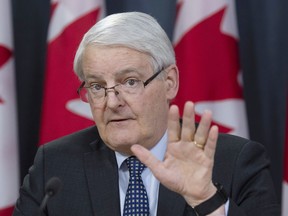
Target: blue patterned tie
{"x":136,"y":200}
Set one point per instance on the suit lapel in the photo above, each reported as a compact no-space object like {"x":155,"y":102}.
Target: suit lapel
{"x":102,"y":177}
{"x":170,"y":203}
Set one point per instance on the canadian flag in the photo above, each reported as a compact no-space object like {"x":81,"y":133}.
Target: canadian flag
{"x":9,"y":173}
{"x":285,"y":182}
{"x":206,"y":47}
{"x":62,"y":110}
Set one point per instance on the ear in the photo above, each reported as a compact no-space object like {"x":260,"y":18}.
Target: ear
{"x":172,"y":81}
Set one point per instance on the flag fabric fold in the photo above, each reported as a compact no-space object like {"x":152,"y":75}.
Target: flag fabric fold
{"x":9,"y":167}
{"x":206,"y":47}
{"x":62,"y":110}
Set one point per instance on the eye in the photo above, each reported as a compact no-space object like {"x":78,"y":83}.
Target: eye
{"x":96,"y":87}
{"x":132,"y":82}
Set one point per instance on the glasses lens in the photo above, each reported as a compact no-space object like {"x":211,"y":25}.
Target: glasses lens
{"x":98,"y":96}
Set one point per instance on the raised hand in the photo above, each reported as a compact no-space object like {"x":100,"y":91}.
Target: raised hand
{"x":189,"y":158}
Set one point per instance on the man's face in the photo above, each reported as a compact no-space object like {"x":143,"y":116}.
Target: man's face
{"x":123,"y":119}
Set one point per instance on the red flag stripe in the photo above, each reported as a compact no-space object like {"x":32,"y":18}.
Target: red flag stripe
{"x":61,"y":83}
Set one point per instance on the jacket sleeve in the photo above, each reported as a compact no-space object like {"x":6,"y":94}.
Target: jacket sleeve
{"x":242,"y":167}
{"x":252,"y":190}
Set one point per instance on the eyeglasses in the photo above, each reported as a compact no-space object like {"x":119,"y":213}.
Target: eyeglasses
{"x":98,"y":93}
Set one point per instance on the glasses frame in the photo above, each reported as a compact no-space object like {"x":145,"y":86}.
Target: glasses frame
{"x":145,"y":83}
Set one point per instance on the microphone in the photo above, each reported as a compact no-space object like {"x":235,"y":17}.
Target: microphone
{"x":52,"y":187}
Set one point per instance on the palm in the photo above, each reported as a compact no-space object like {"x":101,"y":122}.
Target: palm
{"x":186,"y":169}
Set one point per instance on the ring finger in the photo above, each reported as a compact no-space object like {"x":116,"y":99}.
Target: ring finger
{"x":203,"y":128}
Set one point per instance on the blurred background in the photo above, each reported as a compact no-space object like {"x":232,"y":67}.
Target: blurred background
{"x":232,"y":57}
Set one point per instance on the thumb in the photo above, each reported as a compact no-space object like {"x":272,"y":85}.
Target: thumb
{"x":145,"y":156}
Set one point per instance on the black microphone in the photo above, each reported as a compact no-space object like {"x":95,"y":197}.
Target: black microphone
{"x":52,"y":187}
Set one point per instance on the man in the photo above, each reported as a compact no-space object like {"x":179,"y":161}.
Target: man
{"x":129,"y":76}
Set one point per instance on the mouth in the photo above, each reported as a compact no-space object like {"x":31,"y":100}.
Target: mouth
{"x":118,"y":120}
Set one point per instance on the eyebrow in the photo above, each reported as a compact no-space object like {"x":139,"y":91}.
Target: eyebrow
{"x":116,"y":75}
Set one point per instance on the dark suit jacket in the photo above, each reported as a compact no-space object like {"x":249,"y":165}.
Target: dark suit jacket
{"x":88,"y":170}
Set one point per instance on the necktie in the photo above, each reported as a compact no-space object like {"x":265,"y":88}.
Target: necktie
{"x":136,"y":200}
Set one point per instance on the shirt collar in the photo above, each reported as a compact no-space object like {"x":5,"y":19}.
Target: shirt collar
{"x":158,"y":151}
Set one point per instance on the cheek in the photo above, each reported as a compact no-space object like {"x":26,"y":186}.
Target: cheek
{"x":153,"y":106}
{"x":98,"y":117}
{"x":97,"y":114}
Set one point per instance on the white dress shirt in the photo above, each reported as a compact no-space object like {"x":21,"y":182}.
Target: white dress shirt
{"x":150,"y":182}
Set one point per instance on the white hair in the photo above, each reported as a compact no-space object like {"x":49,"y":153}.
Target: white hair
{"x":134,"y":30}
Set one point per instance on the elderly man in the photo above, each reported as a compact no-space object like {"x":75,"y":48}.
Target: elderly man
{"x":129,"y":77}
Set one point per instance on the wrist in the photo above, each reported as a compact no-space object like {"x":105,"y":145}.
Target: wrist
{"x":213,"y":203}
{"x":209,"y":192}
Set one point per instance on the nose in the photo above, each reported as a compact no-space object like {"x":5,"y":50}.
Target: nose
{"x":113,"y":98}
{"x":111,"y":89}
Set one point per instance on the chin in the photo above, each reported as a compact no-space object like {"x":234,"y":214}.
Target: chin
{"x":122,"y":141}
{"x":120,"y":147}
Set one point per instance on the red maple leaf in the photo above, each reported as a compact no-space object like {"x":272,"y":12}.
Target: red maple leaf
{"x":208,"y":64}
{"x":221,"y":128}
{"x":53,"y":8}
{"x":7,"y":211}
{"x":5,"y":55}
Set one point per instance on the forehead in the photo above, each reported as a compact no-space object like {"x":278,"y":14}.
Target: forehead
{"x":100,"y":60}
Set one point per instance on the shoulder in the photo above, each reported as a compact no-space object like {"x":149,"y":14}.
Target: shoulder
{"x":78,"y":141}
{"x":68,"y":151}
{"x":238,"y":156}
{"x":237,"y":150}
{"x":232,"y":144}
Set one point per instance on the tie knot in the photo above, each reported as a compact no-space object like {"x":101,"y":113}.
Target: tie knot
{"x":135,"y":166}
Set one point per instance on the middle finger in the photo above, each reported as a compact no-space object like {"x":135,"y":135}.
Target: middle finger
{"x":188,"y":125}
